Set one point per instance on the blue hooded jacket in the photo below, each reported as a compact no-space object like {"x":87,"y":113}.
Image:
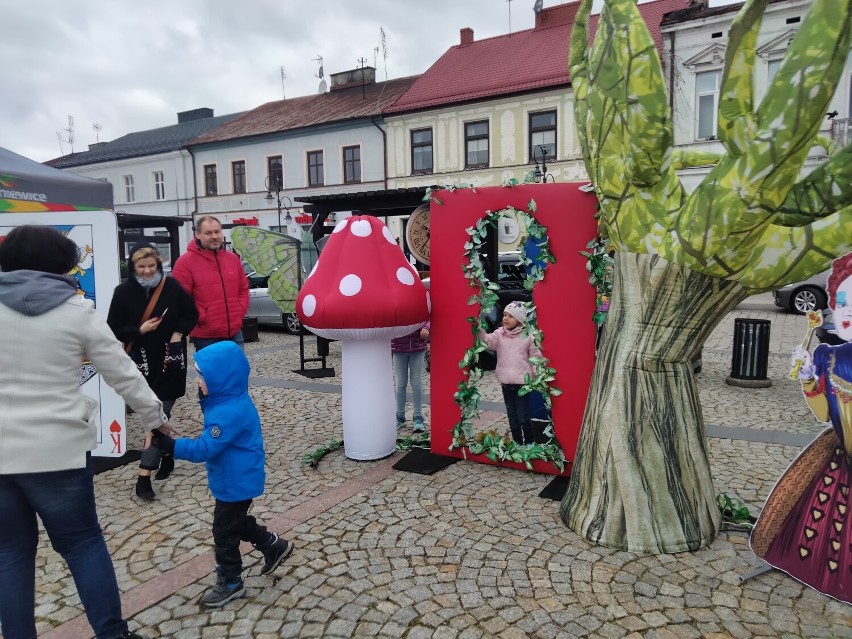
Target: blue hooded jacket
{"x":231,"y":443}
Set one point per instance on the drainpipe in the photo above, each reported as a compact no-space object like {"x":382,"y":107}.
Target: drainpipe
{"x":385,"y":145}
{"x":194,"y":185}
{"x":671,"y":73}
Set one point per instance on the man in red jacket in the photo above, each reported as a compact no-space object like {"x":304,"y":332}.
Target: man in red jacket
{"x":217,"y":283}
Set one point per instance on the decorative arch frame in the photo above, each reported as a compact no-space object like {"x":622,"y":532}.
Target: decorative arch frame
{"x":563,"y":298}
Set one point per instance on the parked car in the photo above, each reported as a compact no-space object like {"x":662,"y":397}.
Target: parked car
{"x":801,"y":297}
{"x":265,"y":309}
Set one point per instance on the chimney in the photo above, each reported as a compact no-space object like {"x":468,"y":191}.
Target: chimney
{"x":554,"y":16}
{"x":466,"y":35}
{"x":195,"y":114}
{"x":347,"y":79}
{"x":96,"y":145}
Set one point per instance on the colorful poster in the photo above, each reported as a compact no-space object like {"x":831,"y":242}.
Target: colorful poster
{"x":97,"y":274}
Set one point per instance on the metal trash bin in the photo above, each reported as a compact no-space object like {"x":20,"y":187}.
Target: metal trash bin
{"x":250,"y":333}
{"x":750,"y":359}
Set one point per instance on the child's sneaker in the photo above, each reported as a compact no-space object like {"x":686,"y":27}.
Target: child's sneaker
{"x":222,"y":593}
{"x":400,"y":420}
{"x":418,"y":425}
{"x":275,"y":553}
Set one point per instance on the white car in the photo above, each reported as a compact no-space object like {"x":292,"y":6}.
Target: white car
{"x":265,"y":309}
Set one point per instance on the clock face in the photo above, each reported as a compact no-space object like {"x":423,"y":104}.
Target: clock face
{"x":417,"y":233}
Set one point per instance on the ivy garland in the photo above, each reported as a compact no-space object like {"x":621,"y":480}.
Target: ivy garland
{"x":495,"y":446}
{"x":599,"y":264}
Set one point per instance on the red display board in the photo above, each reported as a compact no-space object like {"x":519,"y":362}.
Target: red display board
{"x":564,"y":299}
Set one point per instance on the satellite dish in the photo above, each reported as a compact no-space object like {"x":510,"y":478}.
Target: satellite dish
{"x":322,"y":86}
{"x":538,"y":6}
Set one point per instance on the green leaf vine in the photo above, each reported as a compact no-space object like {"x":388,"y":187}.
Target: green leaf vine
{"x":495,"y":446}
{"x":735,"y":514}
{"x":599,"y":264}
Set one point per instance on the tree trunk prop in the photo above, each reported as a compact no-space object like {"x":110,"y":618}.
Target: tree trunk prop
{"x":641,"y":480}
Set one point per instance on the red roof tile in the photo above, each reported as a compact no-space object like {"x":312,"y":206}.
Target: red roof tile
{"x":514,"y":63}
{"x":311,"y":110}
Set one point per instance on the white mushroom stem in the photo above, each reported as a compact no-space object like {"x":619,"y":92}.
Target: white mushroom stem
{"x":369,"y":412}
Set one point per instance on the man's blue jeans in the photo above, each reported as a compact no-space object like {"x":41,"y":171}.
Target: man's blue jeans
{"x":203,"y":342}
{"x":65,"y":502}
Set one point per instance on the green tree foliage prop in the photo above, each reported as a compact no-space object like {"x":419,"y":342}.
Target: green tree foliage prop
{"x":641,"y":480}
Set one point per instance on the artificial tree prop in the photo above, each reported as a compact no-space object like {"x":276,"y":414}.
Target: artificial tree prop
{"x":363,"y":292}
{"x":641,"y":479}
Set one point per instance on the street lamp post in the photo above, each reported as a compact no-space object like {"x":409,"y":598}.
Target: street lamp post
{"x":273,"y":184}
{"x":540,"y":175}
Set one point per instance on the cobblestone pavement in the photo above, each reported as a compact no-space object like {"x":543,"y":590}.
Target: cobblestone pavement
{"x":468,"y":552}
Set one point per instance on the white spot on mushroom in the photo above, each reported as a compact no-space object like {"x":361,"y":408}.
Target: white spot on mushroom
{"x":388,"y":235}
{"x":361,"y":228}
{"x":350,"y":285}
{"x":340,"y":225}
{"x":404,"y":276}
{"x":309,"y":305}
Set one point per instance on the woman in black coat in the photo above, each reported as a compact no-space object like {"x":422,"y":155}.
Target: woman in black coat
{"x":158,"y":345}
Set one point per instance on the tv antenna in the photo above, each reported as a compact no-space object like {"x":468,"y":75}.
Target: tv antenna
{"x":320,"y":74}
{"x":362,"y":61}
{"x":509,"y":2}
{"x":384,"y":49}
{"x":69,"y":133}
{"x":538,"y":6}
{"x":283,"y":77}
{"x":97,"y":127}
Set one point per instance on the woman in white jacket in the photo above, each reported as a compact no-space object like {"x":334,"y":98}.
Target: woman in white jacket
{"x":47,"y":429}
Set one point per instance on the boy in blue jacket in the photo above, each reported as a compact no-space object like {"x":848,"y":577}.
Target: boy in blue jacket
{"x":231,"y":445}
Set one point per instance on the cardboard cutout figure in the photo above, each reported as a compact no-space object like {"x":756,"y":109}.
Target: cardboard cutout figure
{"x":805,"y":528}
{"x":641,"y":480}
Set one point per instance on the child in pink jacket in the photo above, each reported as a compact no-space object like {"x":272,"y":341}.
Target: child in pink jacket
{"x":513,"y":362}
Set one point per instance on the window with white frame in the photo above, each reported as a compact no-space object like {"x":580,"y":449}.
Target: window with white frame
{"x":159,"y":185}
{"x":543,"y":133}
{"x":476,"y":144}
{"x":421,"y":151}
{"x":211,"y":183}
{"x":772,"y":68}
{"x":238,"y":176}
{"x":351,"y":164}
{"x":706,"y":104}
{"x":315,"y":169}
{"x":129,"y":189}
{"x":274,"y":173}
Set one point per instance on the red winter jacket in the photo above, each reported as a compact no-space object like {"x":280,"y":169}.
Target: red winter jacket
{"x":218,"y":285}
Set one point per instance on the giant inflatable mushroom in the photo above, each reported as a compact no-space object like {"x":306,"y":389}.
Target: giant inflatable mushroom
{"x":364,"y":293}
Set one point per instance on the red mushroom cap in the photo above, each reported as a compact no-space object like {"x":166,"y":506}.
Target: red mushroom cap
{"x":362,"y":286}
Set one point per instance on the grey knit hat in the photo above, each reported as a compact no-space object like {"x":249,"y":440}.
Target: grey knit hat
{"x":517,"y":310}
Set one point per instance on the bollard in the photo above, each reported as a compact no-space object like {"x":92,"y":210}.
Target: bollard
{"x":250,"y":332}
{"x":750,"y":360}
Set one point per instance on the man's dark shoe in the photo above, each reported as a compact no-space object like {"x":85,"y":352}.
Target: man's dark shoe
{"x":222,"y":593}
{"x":129,"y":635}
{"x":275,"y":553}
{"x":144,"y":491}
{"x":167,"y":465}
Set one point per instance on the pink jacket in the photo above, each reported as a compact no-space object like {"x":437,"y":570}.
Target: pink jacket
{"x":217,"y":283}
{"x":513,"y":354}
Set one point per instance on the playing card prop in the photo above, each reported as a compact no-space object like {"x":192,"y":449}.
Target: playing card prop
{"x":805,"y":527}
{"x":641,"y":479}
{"x":363,"y":292}
{"x":97,"y":276}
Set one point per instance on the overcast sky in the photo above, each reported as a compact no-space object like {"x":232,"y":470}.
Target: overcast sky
{"x":129,"y":66}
